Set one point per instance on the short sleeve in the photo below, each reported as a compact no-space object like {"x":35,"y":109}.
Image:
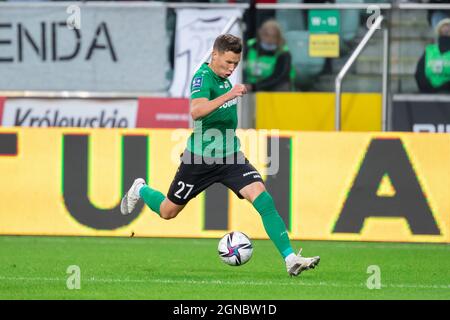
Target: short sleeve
{"x":200,"y":86}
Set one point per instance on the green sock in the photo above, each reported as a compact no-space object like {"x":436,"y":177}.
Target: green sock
{"x":274,"y":225}
{"x":152,"y":198}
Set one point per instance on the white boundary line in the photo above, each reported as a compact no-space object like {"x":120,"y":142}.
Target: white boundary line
{"x":317,"y":243}
{"x":233,"y":283}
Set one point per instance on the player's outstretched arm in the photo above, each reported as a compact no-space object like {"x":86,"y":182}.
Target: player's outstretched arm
{"x":201,"y":107}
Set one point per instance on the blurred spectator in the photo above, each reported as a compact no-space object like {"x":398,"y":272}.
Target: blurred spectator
{"x":268,"y":60}
{"x":436,"y":16}
{"x":433,"y":68}
{"x":255,"y":18}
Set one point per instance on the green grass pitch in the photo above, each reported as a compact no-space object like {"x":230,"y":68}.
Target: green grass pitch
{"x":146,"y":268}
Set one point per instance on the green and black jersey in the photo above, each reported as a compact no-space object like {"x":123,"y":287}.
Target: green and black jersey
{"x":214,"y":135}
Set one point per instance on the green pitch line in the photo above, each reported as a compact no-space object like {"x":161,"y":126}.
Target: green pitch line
{"x":139,"y":268}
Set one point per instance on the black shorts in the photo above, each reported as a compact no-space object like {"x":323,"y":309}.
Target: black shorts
{"x":195,"y":174}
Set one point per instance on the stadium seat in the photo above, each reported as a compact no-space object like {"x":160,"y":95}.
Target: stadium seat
{"x":290,"y":20}
{"x":306,"y":67}
{"x":350,"y":21}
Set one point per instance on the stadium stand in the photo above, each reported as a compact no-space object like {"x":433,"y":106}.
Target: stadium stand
{"x":432,"y":68}
{"x":291,"y":20}
{"x":350,"y":21}
{"x":307,"y":68}
{"x":410,"y":33}
{"x":268,"y":65}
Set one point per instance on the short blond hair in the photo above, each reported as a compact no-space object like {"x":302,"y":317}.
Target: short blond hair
{"x":272,"y":24}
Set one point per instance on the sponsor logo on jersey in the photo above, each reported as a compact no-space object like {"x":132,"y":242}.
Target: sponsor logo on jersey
{"x":197,"y":82}
{"x":229,"y":103}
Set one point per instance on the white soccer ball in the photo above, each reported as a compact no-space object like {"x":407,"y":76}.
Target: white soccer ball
{"x":235,"y":248}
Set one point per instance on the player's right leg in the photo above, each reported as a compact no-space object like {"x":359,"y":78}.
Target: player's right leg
{"x":154,"y":199}
{"x":170,"y":210}
{"x":191,"y":178}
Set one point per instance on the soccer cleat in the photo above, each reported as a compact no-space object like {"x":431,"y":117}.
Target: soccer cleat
{"x":130,"y":199}
{"x":300,"y":264}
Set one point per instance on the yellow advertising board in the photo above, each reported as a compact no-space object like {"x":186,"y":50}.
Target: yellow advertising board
{"x":327,"y":186}
{"x":324,"y":45}
{"x":315,"y":111}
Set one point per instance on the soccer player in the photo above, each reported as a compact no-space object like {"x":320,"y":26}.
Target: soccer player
{"x":212,"y":155}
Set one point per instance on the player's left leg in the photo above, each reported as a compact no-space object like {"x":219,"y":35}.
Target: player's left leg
{"x":262,"y":201}
{"x":247,"y":183}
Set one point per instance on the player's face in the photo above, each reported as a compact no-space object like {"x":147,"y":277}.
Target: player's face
{"x":224,"y":63}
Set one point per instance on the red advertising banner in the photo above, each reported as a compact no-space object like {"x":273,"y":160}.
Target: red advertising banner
{"x":2,"y":103}
{"x":163,"y":113}
{"x":95,"y":113}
